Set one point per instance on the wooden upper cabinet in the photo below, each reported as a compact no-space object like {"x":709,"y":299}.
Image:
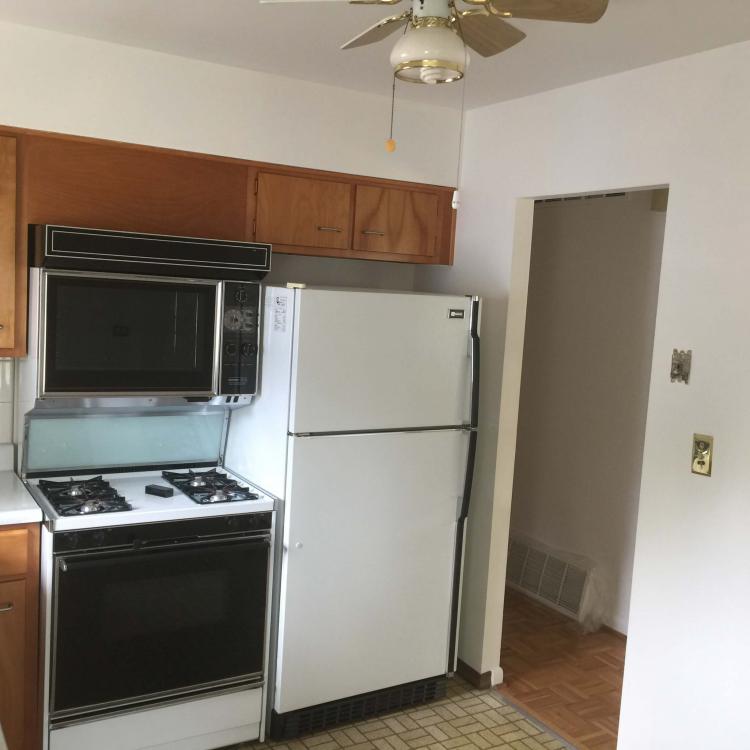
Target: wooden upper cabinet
{"x":392,"y":220}
{"x":114,"y":186}
{"x":7,"y":242}
{"x":302,"y":211}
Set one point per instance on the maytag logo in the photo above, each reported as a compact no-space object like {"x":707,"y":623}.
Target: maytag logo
{"x":454,"y":313}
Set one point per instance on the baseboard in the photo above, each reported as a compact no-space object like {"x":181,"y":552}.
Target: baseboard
{"x":481,"y":681}
{"x":612,"y":630}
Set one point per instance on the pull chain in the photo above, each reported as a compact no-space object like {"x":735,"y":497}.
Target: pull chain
{"x":390,"y":144}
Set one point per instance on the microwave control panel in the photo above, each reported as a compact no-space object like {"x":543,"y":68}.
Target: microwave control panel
{"x":239,"y":338}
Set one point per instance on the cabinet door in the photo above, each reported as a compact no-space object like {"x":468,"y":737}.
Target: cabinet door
{"x":7,"y":242}
{"x":303,"y":211}
{"x":12,"y":662}
{"x":111,"y":186}
{"x":391,"y":220}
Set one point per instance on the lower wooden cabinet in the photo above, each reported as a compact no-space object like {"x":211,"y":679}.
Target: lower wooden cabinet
{"x":19,"y":636}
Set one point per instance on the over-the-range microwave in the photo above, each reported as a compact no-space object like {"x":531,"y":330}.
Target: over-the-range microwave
{"x":121,"y":314}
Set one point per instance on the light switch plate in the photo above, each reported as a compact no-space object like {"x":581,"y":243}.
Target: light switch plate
{"x":703,"y":453}
{"x":682,"y":361}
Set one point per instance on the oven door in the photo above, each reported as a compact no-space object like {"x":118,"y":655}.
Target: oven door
{"x":128,"y":335}
{"x":141,"y":625}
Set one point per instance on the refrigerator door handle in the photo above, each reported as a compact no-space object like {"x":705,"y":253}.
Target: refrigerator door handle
{"x":474,"y":409}
{"x":472,"y":428}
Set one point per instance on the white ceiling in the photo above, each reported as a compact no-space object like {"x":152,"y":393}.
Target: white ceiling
{"x":302,"y":41}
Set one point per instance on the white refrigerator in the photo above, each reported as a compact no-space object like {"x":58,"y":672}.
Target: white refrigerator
{"x":364,"y":427}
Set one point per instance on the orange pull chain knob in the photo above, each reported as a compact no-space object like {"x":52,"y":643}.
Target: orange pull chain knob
{"x":390,"y":145}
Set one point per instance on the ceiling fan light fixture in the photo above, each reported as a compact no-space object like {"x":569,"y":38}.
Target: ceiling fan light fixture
{"x":429,"y":52}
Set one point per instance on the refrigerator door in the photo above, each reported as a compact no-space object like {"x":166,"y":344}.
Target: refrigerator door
{"x":369,"y":361}
{"x":369,"y":542}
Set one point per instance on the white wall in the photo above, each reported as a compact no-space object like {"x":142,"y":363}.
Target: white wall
{"x":683,"y":123}
{"x":340,"y":272}
{"x":69,"y":84}
{"x":586,"y":369}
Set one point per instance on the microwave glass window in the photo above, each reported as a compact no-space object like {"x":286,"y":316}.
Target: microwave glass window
{"x":127,"y":335}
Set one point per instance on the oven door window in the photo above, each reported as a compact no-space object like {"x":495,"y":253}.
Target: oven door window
{"x":128,"y":336}
{"x":129,"y":626}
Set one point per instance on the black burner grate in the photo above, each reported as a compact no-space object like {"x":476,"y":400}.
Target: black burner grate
{"x":79,"y":497}
{"x":208,"y":487}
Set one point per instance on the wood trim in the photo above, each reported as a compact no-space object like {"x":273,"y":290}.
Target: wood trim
{"x":8,"y":208}
{"x":481,"y":681}
{"x":252,"y":203}
{"x":330,"y":252}
{"x":616,"y":633}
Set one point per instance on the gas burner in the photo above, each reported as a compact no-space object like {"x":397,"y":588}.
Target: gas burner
{"x":209,"y":487}
{"x":78,"y":497}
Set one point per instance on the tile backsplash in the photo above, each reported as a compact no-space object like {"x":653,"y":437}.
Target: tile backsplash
{"x":6,"y":414}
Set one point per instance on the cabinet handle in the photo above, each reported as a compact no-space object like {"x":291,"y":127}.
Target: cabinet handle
{"x":1,"y":326}
{"x":330,"y":229}
{"x":373,"y":232}
{"x":7,"y":607}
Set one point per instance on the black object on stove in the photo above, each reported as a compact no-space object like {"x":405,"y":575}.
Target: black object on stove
{"x":208,"y":487}
{"x":79,"y":497}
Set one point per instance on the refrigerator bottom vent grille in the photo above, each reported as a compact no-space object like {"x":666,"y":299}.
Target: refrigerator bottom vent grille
{"x":316,"y":718}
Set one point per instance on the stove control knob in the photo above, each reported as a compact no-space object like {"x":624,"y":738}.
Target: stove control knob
{"x":70,"y":540}
{"x":248,"y":349}
{"x":230,"y":348}
{"x":240,"y":296}
{"x":99,"y":538}
{"x":298,"y":545}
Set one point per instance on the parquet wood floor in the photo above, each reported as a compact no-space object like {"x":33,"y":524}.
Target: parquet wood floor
{"x":570,"y":681}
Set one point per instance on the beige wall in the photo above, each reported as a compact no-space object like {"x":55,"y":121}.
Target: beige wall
{"x":586,"y":364}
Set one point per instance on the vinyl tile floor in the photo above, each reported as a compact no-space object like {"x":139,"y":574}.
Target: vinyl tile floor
{"x":466,"y":719}
{"x":570,"y":680}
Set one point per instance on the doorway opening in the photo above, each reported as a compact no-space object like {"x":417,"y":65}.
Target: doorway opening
{"x":593,"y":283}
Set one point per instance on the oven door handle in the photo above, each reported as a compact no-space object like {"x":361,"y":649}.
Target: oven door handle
{"x":95,"y":558}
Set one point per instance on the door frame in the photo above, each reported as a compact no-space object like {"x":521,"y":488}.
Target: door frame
{"x":510,"y":397}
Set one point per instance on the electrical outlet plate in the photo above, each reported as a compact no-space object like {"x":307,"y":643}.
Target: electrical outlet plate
{"x":703,"y":453}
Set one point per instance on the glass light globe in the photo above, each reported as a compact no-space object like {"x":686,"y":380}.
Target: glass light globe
{"x":429,"y":54}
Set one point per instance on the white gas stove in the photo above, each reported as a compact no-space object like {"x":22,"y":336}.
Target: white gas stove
{"x":86,"y":501}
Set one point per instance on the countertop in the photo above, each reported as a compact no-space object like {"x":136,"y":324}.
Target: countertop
{"x":16,"y":503}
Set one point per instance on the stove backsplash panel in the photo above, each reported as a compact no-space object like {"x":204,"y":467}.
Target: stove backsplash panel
{"x":98,"y":441}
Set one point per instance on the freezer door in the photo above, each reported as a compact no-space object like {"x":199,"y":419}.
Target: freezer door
{"x":367,"y":571}
{"x":379,"y":360}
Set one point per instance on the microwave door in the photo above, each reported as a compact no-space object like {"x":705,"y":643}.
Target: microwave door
{"x":124,"y":335}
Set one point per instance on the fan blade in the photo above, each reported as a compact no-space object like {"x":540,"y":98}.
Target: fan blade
{"x":487,"y":33}
{"x":574,"y":11}
{"x":287,"y":2}
{"x":351,"y":2}
{"x":378,"y":31}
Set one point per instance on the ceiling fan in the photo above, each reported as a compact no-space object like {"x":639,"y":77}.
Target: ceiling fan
{"x":436,"y":32}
